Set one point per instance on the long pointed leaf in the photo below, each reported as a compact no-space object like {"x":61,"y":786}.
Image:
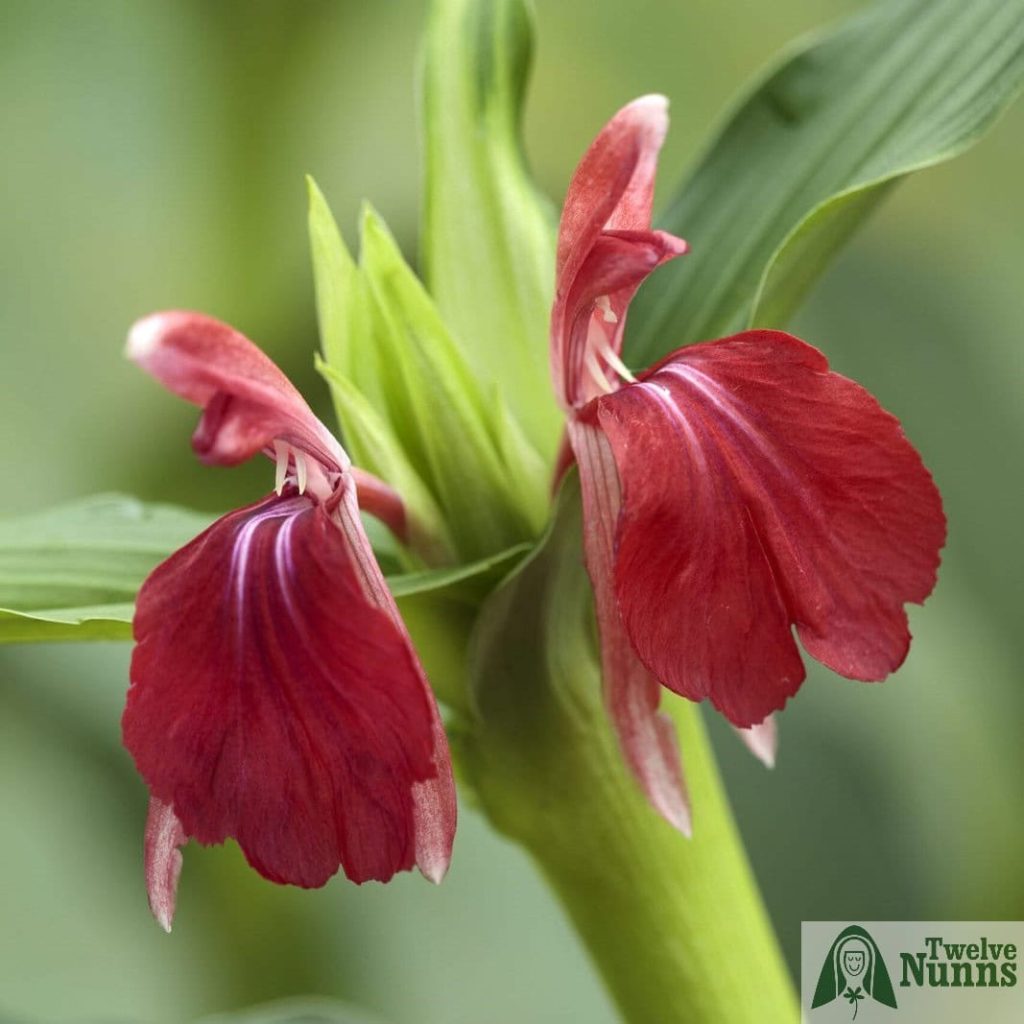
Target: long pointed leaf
{"x":811,"y":151}
{"x":488,"y":238}
{"x":72,"y":572}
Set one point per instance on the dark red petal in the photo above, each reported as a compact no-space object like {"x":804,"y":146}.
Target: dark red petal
{"x":247,"y":401}
{"x":759,"y":490}
{"x":631,"y":693}
{"x":275,"y":702}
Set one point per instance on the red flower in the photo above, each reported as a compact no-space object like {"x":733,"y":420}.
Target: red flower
{"x":734,"y":490}
{"x":275,"y":695}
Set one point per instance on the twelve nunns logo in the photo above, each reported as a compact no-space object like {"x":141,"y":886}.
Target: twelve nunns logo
{"x":855,"y":970}
{"x":980,"y":964}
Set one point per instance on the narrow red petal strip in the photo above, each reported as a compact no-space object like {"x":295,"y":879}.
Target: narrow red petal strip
{"x":759,"y":490}
{"x":162,"y":856}
{"x":247,"y":401}
{"x":381,"y":501}
{"x":631,"y":693}
{"x":435,"y":810}
{"x":272,"y":701}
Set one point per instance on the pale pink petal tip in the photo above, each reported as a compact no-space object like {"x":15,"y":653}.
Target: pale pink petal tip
{"x":762,"y":740}
{"x":435,"y":811}
{"x":655,"y":102}
{"x":433,"y":864}
{"x":675,"y":809}
{"x":144,"y":337}
{"x":653,"y":112}
{"x":655,"y":758}
{"x":163,"y":860}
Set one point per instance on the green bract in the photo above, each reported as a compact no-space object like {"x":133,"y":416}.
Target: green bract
{"x":811,"y":151}
{"x":411,"y":409}
{"x":488,"y":239}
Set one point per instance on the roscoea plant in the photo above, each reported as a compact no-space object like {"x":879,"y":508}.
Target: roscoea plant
{"x":586,"y":520}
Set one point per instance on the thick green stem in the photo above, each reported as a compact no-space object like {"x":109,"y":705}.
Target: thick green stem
{"x":676,"y":926}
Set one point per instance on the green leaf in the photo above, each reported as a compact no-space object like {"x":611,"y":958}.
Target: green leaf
{"x":488,"y":238}
{"x":466,"y":583}
{"x":374,"y":447}
{"x":72,"y":572}
{"x":345,"y":314}
{"x":351,"y":365}
{"x":481,"y":473}
{"x":439,"y":608}
{"x":412,"y":411}
{"x":814,"y":148}
{"x":47,"y":625}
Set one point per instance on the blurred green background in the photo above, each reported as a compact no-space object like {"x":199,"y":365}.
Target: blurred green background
{"x":153,"y":155}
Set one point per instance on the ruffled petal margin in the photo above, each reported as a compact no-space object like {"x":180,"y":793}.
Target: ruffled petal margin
{"x":273,"y":700}
{"x":760,"y":489}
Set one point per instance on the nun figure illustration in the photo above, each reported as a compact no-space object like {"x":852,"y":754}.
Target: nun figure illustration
{"x":854,"y":970}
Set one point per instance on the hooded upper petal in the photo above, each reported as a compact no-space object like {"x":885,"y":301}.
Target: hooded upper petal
{"x":247,"y":402}
{"x":274,"y":700}
{"x":606,"y":247}
{"x":760,"y":490}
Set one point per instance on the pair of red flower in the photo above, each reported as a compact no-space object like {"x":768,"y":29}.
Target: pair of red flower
{"x":735,"y":489}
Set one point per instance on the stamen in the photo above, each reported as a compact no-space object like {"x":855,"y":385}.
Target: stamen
{"x":597,"y":375}
{"x":604,"y":304}
{"x":281,"y":451}
{"x":301,"y":471}
{"x":609,"y":356}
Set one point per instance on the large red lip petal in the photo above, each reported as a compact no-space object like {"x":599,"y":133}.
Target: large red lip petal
{"x":273,"y":702}
{"x":759,"y":490}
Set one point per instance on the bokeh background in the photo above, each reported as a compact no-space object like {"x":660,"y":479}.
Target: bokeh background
{"x":152,"y":154}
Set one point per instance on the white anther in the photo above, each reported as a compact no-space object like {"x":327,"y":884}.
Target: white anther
{"x":281,"y":452}
{"x":604,"y":304}
{"x":300,"y":471}
{"x":597,"y":375}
